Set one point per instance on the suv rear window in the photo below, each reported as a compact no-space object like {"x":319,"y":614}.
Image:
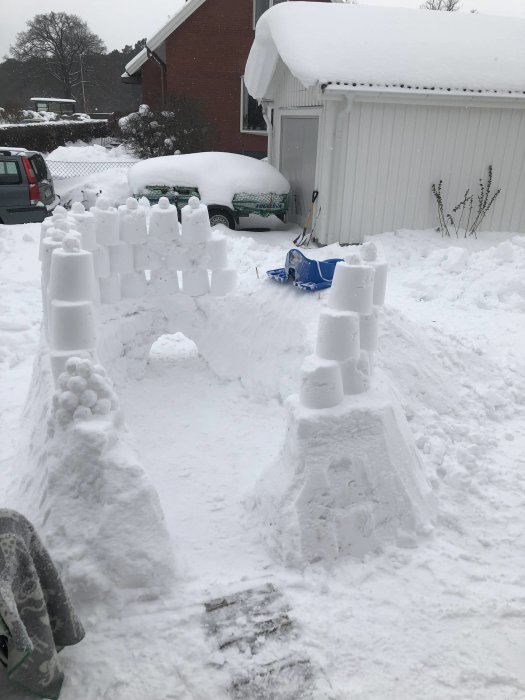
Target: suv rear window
{"x":39,"y":167}
{"x":9,"y":173}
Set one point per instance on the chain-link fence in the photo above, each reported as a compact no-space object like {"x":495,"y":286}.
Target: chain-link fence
{"x":62,"y":170}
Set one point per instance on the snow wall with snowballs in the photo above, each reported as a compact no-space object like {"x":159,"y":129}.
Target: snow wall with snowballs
{"x":80,"y":479}
{"x":114,"y":281}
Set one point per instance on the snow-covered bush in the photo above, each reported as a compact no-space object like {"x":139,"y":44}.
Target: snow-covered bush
{"x":11,"y":114}
{"x":179,"y":127}
{"x":40,"y":116}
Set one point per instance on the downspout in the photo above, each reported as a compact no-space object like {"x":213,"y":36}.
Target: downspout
{"x":333,"y":156}
{"x":267,"y":110}
{"x":163,"y":72}
{"x":344,"y":112}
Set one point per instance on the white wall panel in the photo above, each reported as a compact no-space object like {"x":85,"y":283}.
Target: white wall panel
{"x":289,"y":92}
{"x":396,"y":151}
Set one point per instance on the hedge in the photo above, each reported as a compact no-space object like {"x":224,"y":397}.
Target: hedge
{"x":46,"y":137}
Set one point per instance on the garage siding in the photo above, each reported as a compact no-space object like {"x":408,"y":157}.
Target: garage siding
{"x":394,"y":152}
{"x":290,"y":93}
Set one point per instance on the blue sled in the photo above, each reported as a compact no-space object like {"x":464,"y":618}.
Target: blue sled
{"x":306,"y":274}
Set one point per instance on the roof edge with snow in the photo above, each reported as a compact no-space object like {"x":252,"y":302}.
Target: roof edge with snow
{"x":391,"y":49}
{"x":161,"y":35}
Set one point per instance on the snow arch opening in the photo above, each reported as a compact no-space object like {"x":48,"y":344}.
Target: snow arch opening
{"x":170,"y":348}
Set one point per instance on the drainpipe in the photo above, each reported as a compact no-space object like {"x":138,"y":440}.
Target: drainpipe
{"x":333,"y":158}
{"x":267,"y":110}
{"x":158,"y":60}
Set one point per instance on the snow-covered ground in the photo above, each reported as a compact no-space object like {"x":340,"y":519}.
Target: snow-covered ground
{"x":442,"y":621}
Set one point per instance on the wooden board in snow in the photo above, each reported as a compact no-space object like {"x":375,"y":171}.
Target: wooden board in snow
{"x":258,"y":644}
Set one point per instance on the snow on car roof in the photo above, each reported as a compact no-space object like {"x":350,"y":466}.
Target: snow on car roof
{"x":323,"y":43}
{"x":218,"y":176}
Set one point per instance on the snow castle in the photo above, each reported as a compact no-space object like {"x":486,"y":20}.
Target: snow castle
{"x":115,"y":280}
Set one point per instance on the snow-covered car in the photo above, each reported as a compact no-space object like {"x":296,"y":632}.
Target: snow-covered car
{"x":231,"y":185}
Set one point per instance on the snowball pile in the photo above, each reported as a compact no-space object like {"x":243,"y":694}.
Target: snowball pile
{"x":84,"y":391}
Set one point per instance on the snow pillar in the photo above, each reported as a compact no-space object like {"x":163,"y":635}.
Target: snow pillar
{"x":70,"y":307}
{"x":349,"y":478}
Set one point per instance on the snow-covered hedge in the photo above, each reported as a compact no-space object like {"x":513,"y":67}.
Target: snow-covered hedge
{"x":50,"y":135}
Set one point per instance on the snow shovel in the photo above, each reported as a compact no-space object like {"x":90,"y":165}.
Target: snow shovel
{"x":308,"y":221}
{"x":312,"y":229}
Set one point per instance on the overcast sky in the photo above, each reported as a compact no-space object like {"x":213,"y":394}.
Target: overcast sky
{"x":121,"y":22}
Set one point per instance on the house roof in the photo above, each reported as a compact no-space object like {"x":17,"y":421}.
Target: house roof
{"x":161,"y":35}
{"x":154,"y":42}
{"x":395,"y":48}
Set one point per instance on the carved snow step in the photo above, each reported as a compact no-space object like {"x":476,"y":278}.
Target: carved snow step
{"x":258,"y":639}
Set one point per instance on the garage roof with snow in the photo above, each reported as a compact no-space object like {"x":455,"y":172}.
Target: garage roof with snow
{"x":383,"y":47}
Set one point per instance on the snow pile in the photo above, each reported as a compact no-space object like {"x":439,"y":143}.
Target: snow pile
{"x":40,"y":116}
{"x":380,"y":46}
{"x":80,"y":151}
{"x":86,"y":490}
{"x":348,"y":478}
{"x":111,"y":183}
{"x":217,"y":176}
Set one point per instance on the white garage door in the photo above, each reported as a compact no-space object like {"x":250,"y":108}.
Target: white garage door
{"x":298,"y":153}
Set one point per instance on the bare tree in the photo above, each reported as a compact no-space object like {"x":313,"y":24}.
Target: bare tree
{"x":58,"y":41}
{"x":443,"y":5}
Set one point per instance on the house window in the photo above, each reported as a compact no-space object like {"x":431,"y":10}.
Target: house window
{"x":260,"y":6}
{"x":251,"y":112}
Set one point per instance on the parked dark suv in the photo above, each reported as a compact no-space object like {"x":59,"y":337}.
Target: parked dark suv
{"x":26,"y":187}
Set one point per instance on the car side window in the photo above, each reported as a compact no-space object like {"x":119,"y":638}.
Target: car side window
{"x":9,"y":173}
{"x":39,"y":167}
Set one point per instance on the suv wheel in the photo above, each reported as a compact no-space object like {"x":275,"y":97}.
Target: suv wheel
{"x":221,"y":216}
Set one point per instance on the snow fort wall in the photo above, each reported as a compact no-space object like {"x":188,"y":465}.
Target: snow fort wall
{"x":89,"y":492}
{"x":348,"y":478}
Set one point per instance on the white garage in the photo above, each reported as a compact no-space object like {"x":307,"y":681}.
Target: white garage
{"x":371,"y":106}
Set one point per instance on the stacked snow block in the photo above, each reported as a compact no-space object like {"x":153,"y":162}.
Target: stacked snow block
{"x":347,"y":332}
{"x":128,"y":250}
{"x":69,"y":299}
{"x":204,"y":250}
{"x":52,"y":234}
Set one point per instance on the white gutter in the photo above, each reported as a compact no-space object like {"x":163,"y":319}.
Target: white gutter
{"x":377,"y":90}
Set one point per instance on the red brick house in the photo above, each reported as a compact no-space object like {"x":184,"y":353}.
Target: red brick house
{"x":200,"y":53}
